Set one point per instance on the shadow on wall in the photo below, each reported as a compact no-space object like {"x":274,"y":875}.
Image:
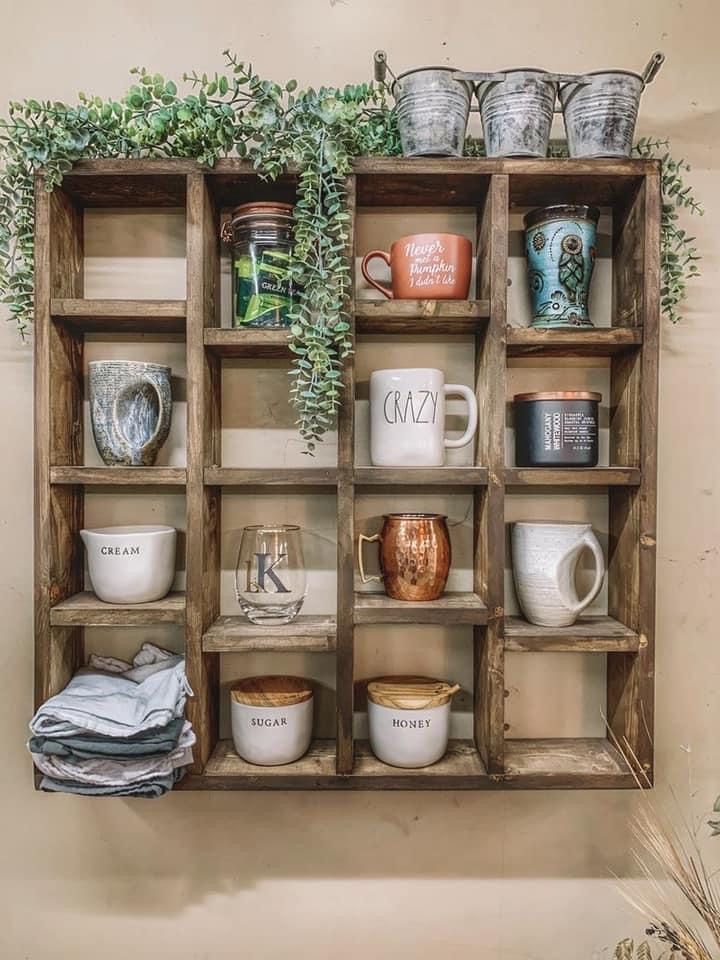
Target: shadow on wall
{"x":157,"y":858}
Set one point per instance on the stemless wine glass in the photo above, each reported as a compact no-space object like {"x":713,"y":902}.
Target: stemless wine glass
{"x":270,"y":578}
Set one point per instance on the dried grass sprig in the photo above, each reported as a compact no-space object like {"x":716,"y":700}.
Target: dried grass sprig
{"x":674,"y":853}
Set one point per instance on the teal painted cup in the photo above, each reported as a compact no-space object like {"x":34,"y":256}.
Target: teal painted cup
{"x":560,"y":248}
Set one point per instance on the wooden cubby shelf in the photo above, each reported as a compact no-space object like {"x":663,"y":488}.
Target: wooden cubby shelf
{"x":307,"y":634}
{"x":572,"y":477}
{"x":251,"y":343}
{"x":270,"y":476}
{"x":596,"y":342}
{"x":450,"y":608}
{"x":413,"y":317}
{"x":421,"y":476}
{"x":629,"y":192}
{"x":121,"y":316}
{"x":597,"y":634}
{"x":85,"y":610}
{"x":119,"y":476}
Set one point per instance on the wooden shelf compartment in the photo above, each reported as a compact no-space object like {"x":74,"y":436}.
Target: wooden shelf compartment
{"x":594,"y":634}
{"x":119,"y":476}
{"x":121,"y":316}
{"x":452,"y":607}
{"x":270,"y":476}
{"x":306,"y":634}
{"x":421,"y":476}
{"x":583,"y":763}
{"x":595,"y":342}
{"x":415,"y":317}
{"x":259,"y":342}
{"x":86,"y":610}
{"x":572,"y":477}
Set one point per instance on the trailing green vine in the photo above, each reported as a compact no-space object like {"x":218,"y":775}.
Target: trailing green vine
{"x":678,"y":257}
{"x":233,"y":113}
{"x":317,"y":132}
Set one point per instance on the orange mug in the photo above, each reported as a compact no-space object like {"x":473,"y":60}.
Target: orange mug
{"x":425,"y":266}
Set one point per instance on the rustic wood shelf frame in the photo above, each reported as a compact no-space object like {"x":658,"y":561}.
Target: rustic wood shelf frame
{"x":493,"y":187}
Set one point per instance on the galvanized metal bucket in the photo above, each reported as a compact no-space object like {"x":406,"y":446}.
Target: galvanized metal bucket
{"x":600,"y":110}
{"x":517,"y":109}
{"x":432,"y":111}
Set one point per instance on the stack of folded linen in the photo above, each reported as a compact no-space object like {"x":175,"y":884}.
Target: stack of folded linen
{"x":117,"y":729}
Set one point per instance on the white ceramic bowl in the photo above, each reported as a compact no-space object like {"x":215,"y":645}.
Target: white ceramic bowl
{"x":409,"y":738}
{"x":133,"y":564}
{"x":269,"y":736}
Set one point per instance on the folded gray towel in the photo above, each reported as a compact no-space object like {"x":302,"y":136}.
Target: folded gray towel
{"x":149,"y":743}
{"x":147,"y":788}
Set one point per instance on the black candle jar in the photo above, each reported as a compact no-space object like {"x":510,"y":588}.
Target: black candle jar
{"x":557,"y":429}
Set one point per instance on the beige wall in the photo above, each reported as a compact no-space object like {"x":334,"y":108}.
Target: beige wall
{"x":409,"y":875}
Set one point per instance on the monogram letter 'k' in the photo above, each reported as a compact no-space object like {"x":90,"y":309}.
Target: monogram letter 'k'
{"x":266,"y":568}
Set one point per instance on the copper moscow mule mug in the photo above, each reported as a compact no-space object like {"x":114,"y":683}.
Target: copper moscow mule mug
{"x":425,"y":266}
{"x":415,"y":555}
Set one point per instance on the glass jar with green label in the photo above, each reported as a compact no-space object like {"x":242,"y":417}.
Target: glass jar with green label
{"x":261,"y":238}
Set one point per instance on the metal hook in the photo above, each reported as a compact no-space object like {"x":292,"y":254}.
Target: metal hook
{"x":381,"y":67}
{"x":654,"y":64}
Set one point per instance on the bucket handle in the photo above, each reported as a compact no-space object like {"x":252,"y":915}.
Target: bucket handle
{"x":381,"y":68}
{"x":653,"y":65}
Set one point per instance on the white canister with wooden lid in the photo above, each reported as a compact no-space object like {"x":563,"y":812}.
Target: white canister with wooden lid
{"x":409,"y":720}
{"x":272,"y":719}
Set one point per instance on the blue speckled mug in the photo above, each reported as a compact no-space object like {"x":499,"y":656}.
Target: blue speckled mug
{"x":560,"y":249}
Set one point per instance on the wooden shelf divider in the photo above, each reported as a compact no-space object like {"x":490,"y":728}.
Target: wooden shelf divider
{"x":63,"y":319}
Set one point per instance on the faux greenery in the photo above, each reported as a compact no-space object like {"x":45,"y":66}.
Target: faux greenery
{"x":237,"y":112}
{"x":678,"y":257}
{"x":234,"y":113}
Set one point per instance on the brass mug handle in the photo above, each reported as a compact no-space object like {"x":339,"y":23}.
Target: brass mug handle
{"x":363,"y":576}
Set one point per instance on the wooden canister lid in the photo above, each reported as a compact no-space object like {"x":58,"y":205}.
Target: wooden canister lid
{"x":271,"y":691}
{"x":410,"y":693}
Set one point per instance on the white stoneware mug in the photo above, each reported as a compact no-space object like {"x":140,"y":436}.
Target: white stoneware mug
{"x":132,"y":564}
{"x":545,"y":557}
{"x":407,"y":417}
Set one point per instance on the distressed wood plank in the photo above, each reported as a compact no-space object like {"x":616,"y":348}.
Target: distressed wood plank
{"x":599,"y":634}
{"x":203,"y":449}
{"x":489,"y":504}
{"x":58,"y":436}
{"x":259,"y":342}
{"x":572,"y":477}
{"x":270,"y":476}
{"x":119,"y":476}
{"x":421,"y":476}
{"x":452,"y":607}
{"x":120,"y":316}
{"x":311,"y":634}
{"x":598,"y":342}
{"x":345,"y":658}
{"x":633,"y":537}
{"x":415,"y":317}
{"x":85,"y":609}
{"x":584,"y":762}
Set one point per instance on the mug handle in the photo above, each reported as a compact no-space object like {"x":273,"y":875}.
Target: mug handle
{"x":468,"y":396}
{"x":374,"y":539}
{"x":591,"y":542}
{"x":386,"y":291}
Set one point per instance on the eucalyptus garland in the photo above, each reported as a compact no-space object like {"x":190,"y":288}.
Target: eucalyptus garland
{"x":234,"y":113}
{"x":238,"y":113}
